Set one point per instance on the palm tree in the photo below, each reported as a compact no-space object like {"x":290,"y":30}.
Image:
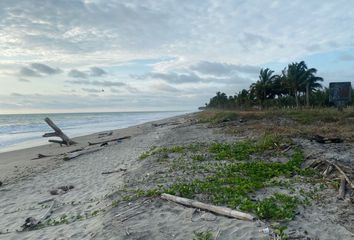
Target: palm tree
{"x":262,"y":89}
{"x":295,"y":77}
{"x":311,"y":83}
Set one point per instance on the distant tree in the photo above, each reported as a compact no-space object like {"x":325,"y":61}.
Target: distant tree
{"x":262,"y":89}
{"x":311,"y":82}
{"x":294,"y":77}
{"x":296,"y":83}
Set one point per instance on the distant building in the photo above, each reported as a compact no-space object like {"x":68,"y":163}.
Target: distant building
{"x":340,"y":93}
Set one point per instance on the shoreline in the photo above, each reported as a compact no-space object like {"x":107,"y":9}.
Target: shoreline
{"x":119,"y":120}
{"x":16,"y":164}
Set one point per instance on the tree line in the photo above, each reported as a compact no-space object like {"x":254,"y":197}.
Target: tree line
{"x":296,"y":85}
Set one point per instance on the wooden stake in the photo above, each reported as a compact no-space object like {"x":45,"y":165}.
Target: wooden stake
{"x":212,"y":208}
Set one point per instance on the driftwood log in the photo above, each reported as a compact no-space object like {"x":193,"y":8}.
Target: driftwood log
{"x":107,"y":141}
{"x":215,"y":209}
{"x":71,"y":155}
{"x":57,"y":133}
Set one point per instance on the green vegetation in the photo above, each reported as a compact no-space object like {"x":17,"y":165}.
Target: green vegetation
{"x":230,"y":182}
{"x":208,"y":235}
{"x":296,"y":85}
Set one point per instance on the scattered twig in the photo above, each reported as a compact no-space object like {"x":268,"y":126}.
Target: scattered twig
{"x":286,"y":149}
{"x":114,"y":171}
{"x":45,"y":201}
{"x":328,"y":170}
{"x":343,"y":174}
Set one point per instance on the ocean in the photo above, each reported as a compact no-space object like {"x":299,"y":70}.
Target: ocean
{"x":19,"y":131}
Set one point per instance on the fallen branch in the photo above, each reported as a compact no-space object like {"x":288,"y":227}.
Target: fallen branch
{"x":31,"y":223}
{"x":72,"y":155}
{"x":321,"y":139}
{"x":105,"y":134}
{"x":39,"y":156}
{"x":164,"y":124}
{"x":343,"y":174}
{"x":114,"y":171}
{"x":328,"y":170}
{"x":107,"y":141}
{"x":219,"y":210}
{"x":57,"y":133}
{"x":341,"y":192}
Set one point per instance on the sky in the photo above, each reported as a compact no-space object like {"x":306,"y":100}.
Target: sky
{"x":148,"y":55}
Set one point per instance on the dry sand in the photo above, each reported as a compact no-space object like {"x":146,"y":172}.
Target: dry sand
{"x":86,"y":211}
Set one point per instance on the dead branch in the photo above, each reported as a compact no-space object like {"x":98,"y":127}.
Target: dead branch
{"x":107,"y":141}
{"x":105,"y":134}
{"x":341,"y":192}
{"x":39,"y":156}
{"x":72,"y":155}
{"x":57,"y":133}
{"x":328,"y":170}
{"x":114,"y":171}
{"x":343,"y":174}
{"x":212,"y":208}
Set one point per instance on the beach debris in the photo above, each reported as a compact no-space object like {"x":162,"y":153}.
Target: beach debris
{"x":77,"y":153}
{"x":31,"y":223}
{"x":61,"y":190}
{"x":105,"y":134}
{"x":45,"y":201}
{"x":165,"y":124}
{"x":329,"y":167}
{"x":212,"y":208}
{"x":266,"y":230}
{"x":39,"y":156}
{"x":321,"y":139}
{"x":103,"y":143}
{"x":114,"y":171}
{"x":0,"y":183}
{"x":57,"y":133}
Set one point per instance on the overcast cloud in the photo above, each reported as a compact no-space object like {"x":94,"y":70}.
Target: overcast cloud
{"x":152,"y":48}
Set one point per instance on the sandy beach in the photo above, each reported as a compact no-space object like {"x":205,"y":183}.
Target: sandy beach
{"x":96,"y":208}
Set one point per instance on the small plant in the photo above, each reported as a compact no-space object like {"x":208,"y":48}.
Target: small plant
{"x":280,"y":232}
{"x":208,"y":235}
{"x":198,"y":157}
